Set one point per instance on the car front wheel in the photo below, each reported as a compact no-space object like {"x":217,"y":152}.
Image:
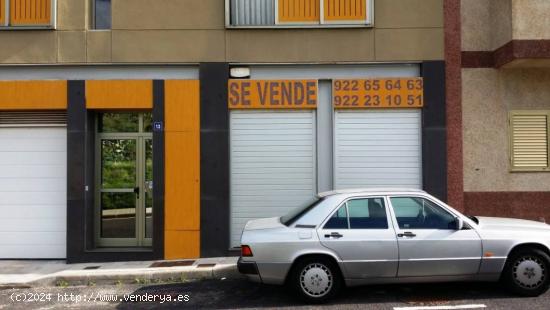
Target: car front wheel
{"x":526,"y":272}
{"x":316,"y":280}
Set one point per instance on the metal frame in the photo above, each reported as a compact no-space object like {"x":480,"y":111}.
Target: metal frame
{"x":51,"y":26}
{"x":6,"y":13}
{"x":511,"y":114}
{"x":139,"y":138}
{"x":368,"y":23}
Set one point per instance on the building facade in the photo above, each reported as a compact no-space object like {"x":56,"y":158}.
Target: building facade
{"x":503,"y":96}
{"x":139,"y":129}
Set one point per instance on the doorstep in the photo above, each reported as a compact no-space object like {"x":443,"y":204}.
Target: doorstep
{"x":43,"y":273}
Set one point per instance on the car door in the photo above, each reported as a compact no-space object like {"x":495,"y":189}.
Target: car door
{"x":360,"y":232}
{"x":429,"y":243}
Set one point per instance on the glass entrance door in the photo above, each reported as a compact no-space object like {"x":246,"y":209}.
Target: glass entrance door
{"x":124,"y":187}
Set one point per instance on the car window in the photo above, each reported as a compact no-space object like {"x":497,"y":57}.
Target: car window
{"x":420,"y":213}
{"x":364,"y":213}
{"x":339,"y":220}
{"x":367,"y":213}
{"x":297,"y":213}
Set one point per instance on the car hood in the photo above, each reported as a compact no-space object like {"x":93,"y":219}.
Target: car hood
{"x":509,"y":223}
{"x":265,"y":223}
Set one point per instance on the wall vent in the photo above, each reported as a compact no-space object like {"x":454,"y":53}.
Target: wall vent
{"x":33,"y":118}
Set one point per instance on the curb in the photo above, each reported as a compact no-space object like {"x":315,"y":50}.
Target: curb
{"x":161,"y":275}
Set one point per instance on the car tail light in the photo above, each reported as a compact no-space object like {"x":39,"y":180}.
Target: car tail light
{"x":246,"y":251}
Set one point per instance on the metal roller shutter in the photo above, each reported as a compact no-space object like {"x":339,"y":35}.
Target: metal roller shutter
{"x":378,"y":149}
{"x":33,"y":189}
{"x":273,"y":167}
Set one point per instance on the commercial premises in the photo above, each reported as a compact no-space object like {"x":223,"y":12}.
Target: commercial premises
{"x":139,"y":141}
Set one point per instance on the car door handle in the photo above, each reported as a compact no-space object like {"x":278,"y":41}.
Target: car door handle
{"x":334,"y":235}
{"x":406,"y":234}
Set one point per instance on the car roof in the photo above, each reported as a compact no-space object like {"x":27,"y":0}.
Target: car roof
{"x":373,"y":190}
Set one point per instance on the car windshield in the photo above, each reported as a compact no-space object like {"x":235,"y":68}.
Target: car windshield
{"x":291,"y":217}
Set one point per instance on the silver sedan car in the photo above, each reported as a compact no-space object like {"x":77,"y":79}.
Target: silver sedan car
{"x":374,"y":236}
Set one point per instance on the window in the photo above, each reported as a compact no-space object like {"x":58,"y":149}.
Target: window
{"x":274,"y":13}
{"x":420,"y":213}
{"x":102,"y":14}
{"x":529,"y":140}
{"x":294,"y":215}
{"x":27,"y":13}
{"x":339,"y":220}
{"x":124,"y":179}
{"x":365,"y":213}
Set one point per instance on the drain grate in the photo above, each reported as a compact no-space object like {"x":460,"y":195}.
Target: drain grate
{"x":205,"y":265}
{"x":91,"y":267}
{"x":177,"y":263}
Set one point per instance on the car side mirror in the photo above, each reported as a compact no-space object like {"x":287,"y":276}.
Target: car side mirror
{"x":459,"y":223}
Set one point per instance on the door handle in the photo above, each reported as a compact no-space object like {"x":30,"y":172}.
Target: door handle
{"x":406,"y":234}
{"x":136,"y":191}
{"x":334,"y":235}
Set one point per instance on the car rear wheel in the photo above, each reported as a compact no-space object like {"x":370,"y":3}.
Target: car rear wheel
{"x":527,"y":272}
{"x":316,"y":279}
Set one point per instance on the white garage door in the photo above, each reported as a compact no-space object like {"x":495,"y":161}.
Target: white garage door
{"x":33,"y":192}
{"x":378,"y":149}
{"x":273,"y":166}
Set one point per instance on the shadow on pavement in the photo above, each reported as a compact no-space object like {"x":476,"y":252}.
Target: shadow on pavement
{"x":231,"y":294}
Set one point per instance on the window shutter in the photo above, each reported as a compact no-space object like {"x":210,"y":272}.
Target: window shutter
{"x":529,"y":141}
{"x":345,"y":10}
{"x":2,"y":12}
{"x":30,"y":12}
{"x":298,"y":11}
{"x":253,"y":12}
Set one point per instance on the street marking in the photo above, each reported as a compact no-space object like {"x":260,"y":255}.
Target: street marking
{"x":441,"y":307}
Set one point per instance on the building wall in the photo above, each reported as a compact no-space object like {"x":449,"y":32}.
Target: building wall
{"x":488,"y":96}
{"x":486,"y":24}
{"x":500,"y":39}
{"x":189,"y":31}
{"x":489,"y":24}
{"x":531,"y":19}
{"x":172,"y":32}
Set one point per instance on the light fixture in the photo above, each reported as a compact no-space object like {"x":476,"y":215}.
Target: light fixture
{"x":240,"y":72}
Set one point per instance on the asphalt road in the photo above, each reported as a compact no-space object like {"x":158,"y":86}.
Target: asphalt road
{"x":239,"y":294}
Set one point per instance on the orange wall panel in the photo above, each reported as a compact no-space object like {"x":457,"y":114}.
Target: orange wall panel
{"x":182,"y":244}
{"x":33,"y":95}
{"x":182,"y":169}
{"x":348,"y":10}
{"x":30,"y":12}
{"x":181,"y":112}
{"x":182,"y":175}
{"x":298,"y":11}
{"x":119,"y":94}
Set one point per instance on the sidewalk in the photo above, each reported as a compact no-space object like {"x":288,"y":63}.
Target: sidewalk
{"x":35,"y":273}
